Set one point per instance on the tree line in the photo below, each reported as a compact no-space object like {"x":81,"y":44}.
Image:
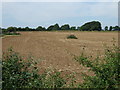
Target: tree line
{"x":89,"y":26}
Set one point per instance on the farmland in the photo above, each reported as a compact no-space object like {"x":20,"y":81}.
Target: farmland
{"x":56,"y":51}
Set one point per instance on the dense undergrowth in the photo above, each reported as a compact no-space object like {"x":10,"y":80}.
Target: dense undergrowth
{"x":106,"y":69}
{"x":20,"y":73}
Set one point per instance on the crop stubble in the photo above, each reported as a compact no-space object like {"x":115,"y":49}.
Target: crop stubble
{"x":56,"y":51}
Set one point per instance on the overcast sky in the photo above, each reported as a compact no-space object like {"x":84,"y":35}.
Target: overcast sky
{"x":33,"y":14}
{"x":60,"y":0}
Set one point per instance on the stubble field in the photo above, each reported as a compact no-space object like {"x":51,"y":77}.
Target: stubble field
{"x":56,"y":51}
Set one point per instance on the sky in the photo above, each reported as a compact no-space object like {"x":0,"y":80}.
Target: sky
{"x":59,"y":0}
{"x":33,"y":14}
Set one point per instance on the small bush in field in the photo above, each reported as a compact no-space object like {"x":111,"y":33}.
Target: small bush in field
{"x":106,"y":70}
{"x":12,"y":34}
{"x":72,"y":37}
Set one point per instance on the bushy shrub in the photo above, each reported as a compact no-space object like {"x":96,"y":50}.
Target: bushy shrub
{"x":12,"y":34}
{"x":23,"y":73}
{"x":72,"y":37}
{"x":53,"y":79}
{"x":106,"y":70}
{"x":19,"y":73}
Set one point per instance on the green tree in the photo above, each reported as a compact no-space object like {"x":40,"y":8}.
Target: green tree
{"x":91,"y":26}
{"x":65,"y":27}
{"x":39,"y":28}
{"x":50,"y":28}
{"x":116,"y":28}
{"x":56,"y":27}
{"x":106,"y":28}
{"x":0,"y":30}
{"x":78,"y":28}
{"x":110,"y":28}
{"x":43,"y":28}
{"x":19,"y":29}
{"x":11,"y":29}
{"x":27,"y":29}
{"x":73,"y":28}
{"x":4,"y":31}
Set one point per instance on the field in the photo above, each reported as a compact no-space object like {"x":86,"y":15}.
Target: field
{"x":56,"y":51}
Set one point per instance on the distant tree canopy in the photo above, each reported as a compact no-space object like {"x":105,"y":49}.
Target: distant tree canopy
{"x":40,"y":28}
{"x":65,"y":27}
{"x":91,"y":26}
{"x":106,"y":28}
{"x":116,"y":28}
{"x":53,"y":27}
{"x":78,"y":28}
{"x":0,"y":30}
{"x":11,"y":29}
{"x":50,"y":28}
{"x":56,"y":27}
{"x":110,"y":28}
{"x":73,"y":28}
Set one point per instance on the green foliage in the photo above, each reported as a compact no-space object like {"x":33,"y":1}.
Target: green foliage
{"x":53,"y":27}
{"x":27,"y":28}
{"x":17,"y":72}
{"x":110,"y":28}
{"x":52,"y":79}
{"x":106,"y":70}
{"x":40,"y":28}
{"x":91,"y":26}
{"x":116,"y":28}
{"x":56,"y":27}
{"x":78,"y":28}
{"x":106,"y":28}
{"x":65,"y":27}
{"x":12,"y":34}
{"x":73,"y":28}
{"x":4,"y":31}
{"x":11,"y":29}
{"x":23,"y":73}
{"x":50,"y":28}
{"x":71,"y":37}
{"x":0,"y":30}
